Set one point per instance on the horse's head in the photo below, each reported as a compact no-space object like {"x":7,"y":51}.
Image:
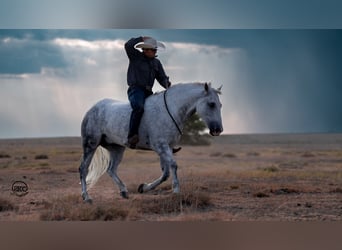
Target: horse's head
{"x":209,"y":109}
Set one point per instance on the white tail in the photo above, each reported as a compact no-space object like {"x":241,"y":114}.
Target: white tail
{"x":98,"y":166}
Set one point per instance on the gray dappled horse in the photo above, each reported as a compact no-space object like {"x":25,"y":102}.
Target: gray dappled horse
{"x":105,"y":127}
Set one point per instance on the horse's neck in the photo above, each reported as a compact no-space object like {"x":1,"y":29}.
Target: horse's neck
{"x":182,"y":100}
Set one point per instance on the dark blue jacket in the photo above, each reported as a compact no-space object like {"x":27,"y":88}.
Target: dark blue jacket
{"x":142,"y":71}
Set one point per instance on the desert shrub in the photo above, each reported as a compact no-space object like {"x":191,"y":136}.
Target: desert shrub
{"x":271,"y":169}
{"x":253,"y":154}
{"x":6,"y":205}
{"x":41,"y":157}
{"x":229,"y":155}
{"x":308,"y":154}
{"x":215,"y":154}
{"x":336,"y":190}
{"x":44,"y":165}
{"x":4,"y":155}
{"x":260,"y":195}
{"x":285,"y":191}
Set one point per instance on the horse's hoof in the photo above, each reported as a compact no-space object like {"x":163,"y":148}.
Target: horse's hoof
{"x":86,"y":198}
{"x":175,"y":150}
{"x":124,"y":194}
{"x":141,"y":188}
{"x":88,"y":201}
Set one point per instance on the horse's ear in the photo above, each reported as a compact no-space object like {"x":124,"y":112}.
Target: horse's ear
{"x":219,"y":90}
{"x":206,"y":87}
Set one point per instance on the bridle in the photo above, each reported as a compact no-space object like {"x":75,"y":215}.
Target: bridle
{"x":168,"y":111}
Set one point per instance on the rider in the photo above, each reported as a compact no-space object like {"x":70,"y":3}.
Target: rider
{"x":143,"y":69}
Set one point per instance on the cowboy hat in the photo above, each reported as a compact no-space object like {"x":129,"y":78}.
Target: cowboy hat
{"x":149,"y":43}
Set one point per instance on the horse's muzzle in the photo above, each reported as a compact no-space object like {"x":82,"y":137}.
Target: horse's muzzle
{"x":215,"y":129}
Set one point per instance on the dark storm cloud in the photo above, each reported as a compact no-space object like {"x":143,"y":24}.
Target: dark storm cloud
{"x":294,"y":78}
{"x":28,"y":51}
{"x":21,"y":53}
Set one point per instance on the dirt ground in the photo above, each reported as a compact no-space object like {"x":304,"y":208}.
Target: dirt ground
{"x":289,"y":177}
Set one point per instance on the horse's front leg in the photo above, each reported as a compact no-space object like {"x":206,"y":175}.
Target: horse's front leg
{"x":167,"y":163}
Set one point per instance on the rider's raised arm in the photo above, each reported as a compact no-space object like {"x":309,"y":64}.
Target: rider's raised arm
{"x":129,"y":47}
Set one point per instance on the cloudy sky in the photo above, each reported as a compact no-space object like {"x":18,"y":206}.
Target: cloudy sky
{"x":274,"y":81}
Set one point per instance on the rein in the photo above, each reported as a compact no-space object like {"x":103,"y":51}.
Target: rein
{"x":168,"y":111}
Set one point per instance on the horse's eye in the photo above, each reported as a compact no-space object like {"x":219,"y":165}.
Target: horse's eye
{"x":212,"y":105}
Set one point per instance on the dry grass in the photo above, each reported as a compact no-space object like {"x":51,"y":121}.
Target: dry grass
{"x":72,"y":208}
{"x":173,"y":203}
{"x":243,"y":177}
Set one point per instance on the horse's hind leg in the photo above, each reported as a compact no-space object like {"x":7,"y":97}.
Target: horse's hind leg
{"x":116,"y":154}
{"x":88,"y":153}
